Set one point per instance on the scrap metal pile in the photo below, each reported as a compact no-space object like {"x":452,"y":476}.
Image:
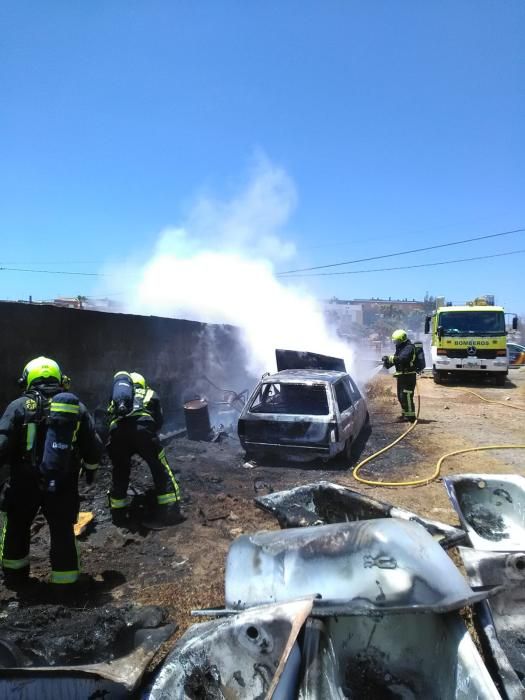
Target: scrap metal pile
{"x":334,"y":610}
{"x":358,"y":599}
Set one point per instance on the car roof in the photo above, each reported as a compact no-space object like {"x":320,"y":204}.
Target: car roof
{"x":516,"y":345}
{"x":300,"y":376}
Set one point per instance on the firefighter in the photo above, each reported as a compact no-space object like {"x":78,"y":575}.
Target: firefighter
{"x":404,"y":360}
{"x":136,"y":419}
{"x":46,"y":437}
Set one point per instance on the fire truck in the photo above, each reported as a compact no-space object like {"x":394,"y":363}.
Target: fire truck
{"x":469,"y":340}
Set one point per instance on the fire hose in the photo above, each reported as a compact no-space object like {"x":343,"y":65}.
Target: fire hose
{"x":437,"y":470}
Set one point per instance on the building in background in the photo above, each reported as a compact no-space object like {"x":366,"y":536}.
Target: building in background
{"x":343,"y":314}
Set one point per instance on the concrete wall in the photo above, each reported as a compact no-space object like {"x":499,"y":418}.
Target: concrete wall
{"x":90,"y":346}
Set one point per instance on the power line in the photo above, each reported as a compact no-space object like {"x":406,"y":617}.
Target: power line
{"x":404,"y":252}
{"x":60,"y":262}
{"x":410,"y":267}
{"x":53,"y":272}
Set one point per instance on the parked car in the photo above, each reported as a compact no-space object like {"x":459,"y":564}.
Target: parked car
{"x":516,"y":354}
{"x":303,"y":413}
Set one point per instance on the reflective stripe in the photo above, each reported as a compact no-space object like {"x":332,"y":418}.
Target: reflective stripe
{"x":410,"y":403}
{"x":74,"y":438}
{"x":164,"y":462}
{"x":2,"y":534}
{"x":133,"y":414}
{"x":64,"y":408}
{"x":64,"y":576}
{"x":149,"y":396}
{"x":15,"y":564}
{"x":165,"y":498}
{"x":77,"y":547}
{"x":30,"y":436}
{"x":90,"y":467}
{"x":119,"y":502}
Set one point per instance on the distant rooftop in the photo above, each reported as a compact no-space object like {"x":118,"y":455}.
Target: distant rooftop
{"x":374,"y":300}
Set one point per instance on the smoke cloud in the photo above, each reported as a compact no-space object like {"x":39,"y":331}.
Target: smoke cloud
{"x":218,"y":266}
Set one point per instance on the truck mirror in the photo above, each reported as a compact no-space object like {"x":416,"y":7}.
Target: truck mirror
{"x":427,"y":324}
{"x":515,"y":323}
{"x":440,"y":332}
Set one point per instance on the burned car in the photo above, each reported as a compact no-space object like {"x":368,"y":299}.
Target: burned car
{"x":304,"y":412}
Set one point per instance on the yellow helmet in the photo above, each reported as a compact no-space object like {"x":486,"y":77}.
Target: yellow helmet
{"x":41,"y":369}
{"x":399,"y":336}
{"x":138,"y":379}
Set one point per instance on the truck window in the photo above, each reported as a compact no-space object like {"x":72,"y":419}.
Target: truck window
{"x":482,"y":323}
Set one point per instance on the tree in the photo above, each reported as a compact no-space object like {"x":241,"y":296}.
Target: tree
{"x":429,"y":303}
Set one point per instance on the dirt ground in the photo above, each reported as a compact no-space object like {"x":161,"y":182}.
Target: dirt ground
{"x":182,"y":568}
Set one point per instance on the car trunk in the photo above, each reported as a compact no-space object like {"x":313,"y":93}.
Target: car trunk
{"x":284,"y":431}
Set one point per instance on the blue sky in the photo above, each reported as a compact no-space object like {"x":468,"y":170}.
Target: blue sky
{"x":401,"y":124}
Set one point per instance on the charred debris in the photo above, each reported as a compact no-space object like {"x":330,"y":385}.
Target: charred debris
{"x":352,"y":598}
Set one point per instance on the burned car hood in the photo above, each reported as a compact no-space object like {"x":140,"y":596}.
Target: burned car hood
{"x":296,"y":359}
{"x":384,"y":565}
{"x":323,"y":502}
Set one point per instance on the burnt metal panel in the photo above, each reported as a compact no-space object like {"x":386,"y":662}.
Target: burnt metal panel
{"x":323,"y":503}
{"x":296,"y":359}
{"x":500,"y":621}
{"x":383,"y":565}
{"x":250,"y":656}
{"x":491,"y":508}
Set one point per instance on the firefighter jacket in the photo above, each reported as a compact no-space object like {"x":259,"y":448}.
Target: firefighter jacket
{"x":404,"y":359}
{"x":146,"y":409}
{"x":23,"y":429}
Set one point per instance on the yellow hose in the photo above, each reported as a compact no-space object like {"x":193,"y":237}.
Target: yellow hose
{"x":501,"y":403}
{"x":435,"y":474}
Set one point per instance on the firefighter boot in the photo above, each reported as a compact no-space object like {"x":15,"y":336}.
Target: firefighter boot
{"x":120,"y":517}
{"x":164,"y":516}
{"x":16,"y":578}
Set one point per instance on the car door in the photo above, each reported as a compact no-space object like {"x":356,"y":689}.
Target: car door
{"x":359,"y":404}
{"x":345,"y":408}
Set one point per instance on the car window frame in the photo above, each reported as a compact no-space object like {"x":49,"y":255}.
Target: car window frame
{"x":353,"y":389}
{"x":341,"y":383}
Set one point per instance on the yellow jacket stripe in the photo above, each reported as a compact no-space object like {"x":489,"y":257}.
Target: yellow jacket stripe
{"x":64,"y":408}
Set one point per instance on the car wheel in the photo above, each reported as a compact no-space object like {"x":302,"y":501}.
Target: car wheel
{"x":344,"y":458}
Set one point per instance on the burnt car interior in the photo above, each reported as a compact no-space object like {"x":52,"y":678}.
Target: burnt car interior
{"x":297,"y":399}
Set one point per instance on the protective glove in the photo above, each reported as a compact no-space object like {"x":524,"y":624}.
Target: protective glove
{"x":386,"y":361}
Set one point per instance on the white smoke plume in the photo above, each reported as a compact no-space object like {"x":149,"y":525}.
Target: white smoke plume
{"x":218,"y":267}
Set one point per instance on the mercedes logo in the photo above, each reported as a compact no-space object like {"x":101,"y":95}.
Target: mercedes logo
{"x":471,"y":350}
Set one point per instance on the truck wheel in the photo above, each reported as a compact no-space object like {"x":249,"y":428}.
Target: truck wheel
{"x":438,"y":376}
{"x":500,"y":378}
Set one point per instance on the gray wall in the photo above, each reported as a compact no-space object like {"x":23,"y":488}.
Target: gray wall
{"x":90,"y":346}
